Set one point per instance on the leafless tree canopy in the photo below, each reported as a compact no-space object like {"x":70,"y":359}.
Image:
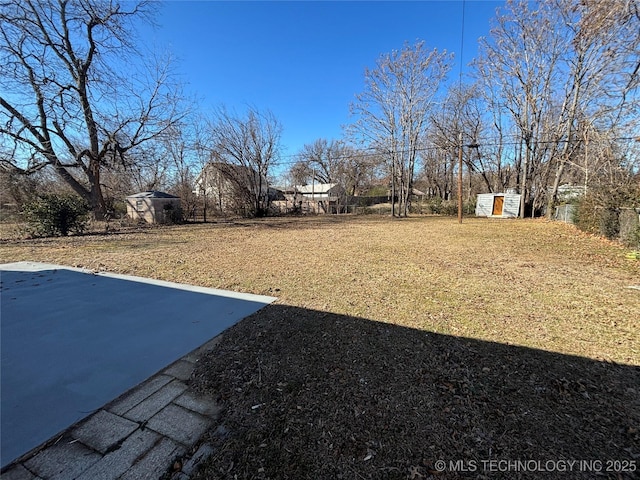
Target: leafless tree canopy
{"x":69,"y":99}
{"x":393,"y":109}
{"x":554,"y":98}
{"x":334,"y":161}
{"x":556,"y":75}
{"x":321,"y":161}
{"x":249,"y":146}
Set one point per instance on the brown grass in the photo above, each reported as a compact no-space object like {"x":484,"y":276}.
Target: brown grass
{"x":531,"y":283}
{"x":404,"y":341}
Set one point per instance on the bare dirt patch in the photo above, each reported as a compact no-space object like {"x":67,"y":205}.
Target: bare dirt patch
{"x":395,"y":344}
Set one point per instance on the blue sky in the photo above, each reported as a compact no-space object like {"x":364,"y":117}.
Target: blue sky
{"x":302,"y":60}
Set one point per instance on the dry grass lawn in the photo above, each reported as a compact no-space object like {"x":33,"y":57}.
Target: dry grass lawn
{"x":398,"y":343}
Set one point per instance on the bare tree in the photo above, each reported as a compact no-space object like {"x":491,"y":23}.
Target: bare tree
{"x":245,"y":148}
{"x":299,"y":173}
{"x":392,"y":111}
{"x":556,"y":70}
{"x":180,"y":147}
{"x":462,"y":115}
{"x":438,"y":170}
{"x":358,"y":170}
{"x":602,"y":59}
{"x":334,"y":161}
{"x":520,"y":61}
{"x":321,"y":160}
{"x":70,"y":100}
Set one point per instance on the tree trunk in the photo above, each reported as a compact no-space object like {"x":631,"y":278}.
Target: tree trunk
{"x":553,"y":194}
{"x":98,"y":206}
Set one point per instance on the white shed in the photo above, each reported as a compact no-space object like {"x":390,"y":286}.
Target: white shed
{"x":505,"y":205}
{"x":154,"y":207}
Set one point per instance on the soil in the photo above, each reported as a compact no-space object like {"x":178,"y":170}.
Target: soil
{"x":316,"y":395}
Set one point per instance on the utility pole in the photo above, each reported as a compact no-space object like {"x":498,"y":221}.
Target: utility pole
{"x":460,"y":178}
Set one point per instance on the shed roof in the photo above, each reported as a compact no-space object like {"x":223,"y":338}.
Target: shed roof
{"x":152,"y":194}
{"x":315,"y":188}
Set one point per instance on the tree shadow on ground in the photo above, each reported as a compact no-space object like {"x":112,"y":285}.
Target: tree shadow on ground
{"x":315,"y":395}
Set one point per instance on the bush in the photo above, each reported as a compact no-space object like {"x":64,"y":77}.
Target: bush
{"x":379,"y":209}
{"x":633,"y":238}
{"x":585,"y":215}
{"x":610,"y":223}
{"x":609,"y":211}
{"x":56,"y":215}
{"x":438,"y":206}
{"x":630,"y":227}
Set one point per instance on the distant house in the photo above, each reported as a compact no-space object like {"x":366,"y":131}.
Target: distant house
{"x":232,"y":189}
{"x":314,"y":198}
{"x":569,"y":192}
{"x":283,"y":199}
{"x":321,"y":197}
{"x":417,"y":194}
{"x":154,"y":207}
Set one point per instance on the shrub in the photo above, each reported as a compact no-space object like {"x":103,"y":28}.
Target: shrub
{"x":379,"y":209}
{"x":450,"y":208}
{"x":609,"y":212}
{"x":585,"y":215}
{"x":610,"y":223}
{"x":630,"y":227}
{"x":633,"y":238}
{"x":434,"y":206}
{"x":438,"y":206}
{"x":56,"y":215}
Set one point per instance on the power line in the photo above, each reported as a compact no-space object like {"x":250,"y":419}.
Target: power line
{"x":461,"y":47}
{"x":486,"y":143}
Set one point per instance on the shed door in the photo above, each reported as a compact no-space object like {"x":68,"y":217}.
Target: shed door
{"x":498,"y":203}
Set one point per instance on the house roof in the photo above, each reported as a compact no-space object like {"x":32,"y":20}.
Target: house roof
{"x":152,"y":194}
{"x":315,"y":188}
{"x":283,"y":189}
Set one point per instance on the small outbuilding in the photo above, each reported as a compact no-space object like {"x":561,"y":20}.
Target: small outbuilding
{"x":154,"y":207}
{"x":504,"y":205}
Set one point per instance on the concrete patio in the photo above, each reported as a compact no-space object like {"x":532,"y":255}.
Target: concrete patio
{"x":116,"y":348}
